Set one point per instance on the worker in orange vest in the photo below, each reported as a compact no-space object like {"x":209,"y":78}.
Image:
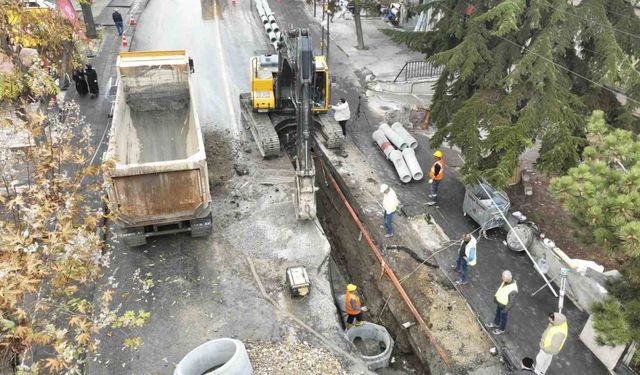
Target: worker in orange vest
{"x":353,"y":307}
{"x":436,"y":173}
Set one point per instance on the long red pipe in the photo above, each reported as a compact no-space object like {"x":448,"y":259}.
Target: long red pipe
{"x":390,"y":272}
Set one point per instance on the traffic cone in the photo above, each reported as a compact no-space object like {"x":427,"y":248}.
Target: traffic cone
{"x":124,"y":41}
{"x":132,"y":21}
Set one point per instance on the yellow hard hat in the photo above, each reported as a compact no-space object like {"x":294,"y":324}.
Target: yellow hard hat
{"x":351,"y":288}
{"x":438,"y":154}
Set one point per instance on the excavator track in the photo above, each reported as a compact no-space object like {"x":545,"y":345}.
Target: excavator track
{"x":331,"y":132}
{"x":261,"y":127}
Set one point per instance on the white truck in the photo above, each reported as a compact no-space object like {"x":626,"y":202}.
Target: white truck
{"x":156,"y":175}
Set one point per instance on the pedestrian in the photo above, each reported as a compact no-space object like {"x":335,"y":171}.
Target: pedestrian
{"x":526,"y":367}
{"x":505,"y":298}
{"x":390,"y":204}
{"x":92,"y":80}
{"x":117,"y":19}
{"x":341,"y":114}
{"x":436,"y":173}
{"x":81,"y":82}
{"x":551,"y":342}
{"x":467,"y":256}
{"x":192,"y":69}
{"x":353,"y":307}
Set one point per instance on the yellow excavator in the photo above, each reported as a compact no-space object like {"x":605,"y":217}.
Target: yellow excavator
{"x":290,"y":92}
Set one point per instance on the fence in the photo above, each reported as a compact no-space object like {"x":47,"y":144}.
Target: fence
{"x":418,"y":69}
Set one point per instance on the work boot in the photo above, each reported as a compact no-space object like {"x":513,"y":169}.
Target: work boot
{"x":359,"y":323}
{"x":348,"y":326}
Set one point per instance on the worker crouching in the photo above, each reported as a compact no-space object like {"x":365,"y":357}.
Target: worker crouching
{"x":353,"y":307}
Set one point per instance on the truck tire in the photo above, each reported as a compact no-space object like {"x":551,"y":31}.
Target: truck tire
{"x":133,"y":237}
{"x":201,"y":227}
{"x":223,"y":356}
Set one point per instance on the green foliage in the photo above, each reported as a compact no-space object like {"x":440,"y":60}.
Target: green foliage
{"x":519,"y":72}
{"x":602,"y":195}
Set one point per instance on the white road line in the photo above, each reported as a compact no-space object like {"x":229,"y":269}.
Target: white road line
{"x":225,"y":74}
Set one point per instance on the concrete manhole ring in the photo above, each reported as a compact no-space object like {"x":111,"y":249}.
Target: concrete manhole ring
{"x":216,"y":357}
{"x":378,"y":335}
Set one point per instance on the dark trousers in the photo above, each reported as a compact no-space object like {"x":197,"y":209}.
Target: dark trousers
{"x":388,"y":222}
{"x":343,"y":125}
{"x":351,"y":318}
{"x":119,"y":28}
{"x":461,"y":266}
{"x":501,"y":317}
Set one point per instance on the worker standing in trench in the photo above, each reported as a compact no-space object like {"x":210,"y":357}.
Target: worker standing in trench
{"x":353,"y":307}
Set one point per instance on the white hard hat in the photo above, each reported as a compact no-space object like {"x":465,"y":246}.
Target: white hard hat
{"x":383,"y":188}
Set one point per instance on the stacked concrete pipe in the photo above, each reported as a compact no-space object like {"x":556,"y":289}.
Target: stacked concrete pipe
{"x":402,"y":132}
{"x":409,"y":156}
{"x":401,"y":166}
{"x":269,"y":22}
{"x":394,"y":137}
{"x":382,"y":142}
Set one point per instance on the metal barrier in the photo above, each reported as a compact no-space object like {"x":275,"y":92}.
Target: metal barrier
{"x":418,"y":69}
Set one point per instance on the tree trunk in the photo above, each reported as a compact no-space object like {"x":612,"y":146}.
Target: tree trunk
{"x":90,"y":24}
{"x":356,"y":16}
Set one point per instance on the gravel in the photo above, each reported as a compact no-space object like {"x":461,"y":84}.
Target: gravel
{"x":292,"y":359}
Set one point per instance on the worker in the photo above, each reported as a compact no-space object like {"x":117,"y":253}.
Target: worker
{"x":353,"y":307}
{"x":467,"y":256}
{"x":505,"y":298}
{"x":551,"y":342}
{"x":341,"y":114}
{"x":526,"y":367}
{"x":390,"y":204}
{"x":436,"y":173}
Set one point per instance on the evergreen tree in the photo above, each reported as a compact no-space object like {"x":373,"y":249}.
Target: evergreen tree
{"x":517,"y":71}
{"x":602,"y":195}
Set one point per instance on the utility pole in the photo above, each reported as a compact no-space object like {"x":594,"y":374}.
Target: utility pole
{"x":87,"y":15}
{"x":314,"y":8}
{"x":356,"y":16}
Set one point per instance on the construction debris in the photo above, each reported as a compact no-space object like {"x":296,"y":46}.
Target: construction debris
{"x":292,"y":359}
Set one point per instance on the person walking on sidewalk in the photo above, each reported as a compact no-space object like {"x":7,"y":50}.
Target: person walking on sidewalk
{"x":390,"y":204}
{"x":81,"y":82}
{"x":92,"y":80}
{"x":341,"y":114}
{"x":526,"y":367}
{"x":551,"y":342}
{"x":467,"y":256}
{"x":436,"y":173}
{"x":505,"y":298}
{"x":353,"y":307}
{"x":117,"y":19}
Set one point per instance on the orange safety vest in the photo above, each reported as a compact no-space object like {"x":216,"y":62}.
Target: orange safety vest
{"x":432,"y":172}
{"x":347,"y":303}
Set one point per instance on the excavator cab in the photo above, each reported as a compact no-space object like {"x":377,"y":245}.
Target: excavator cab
{"x":266,"y":72}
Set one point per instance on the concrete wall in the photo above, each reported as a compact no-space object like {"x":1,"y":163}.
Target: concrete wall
{"x":418,"y":87}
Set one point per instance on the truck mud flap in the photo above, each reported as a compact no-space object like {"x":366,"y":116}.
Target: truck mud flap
{"x":134,"y":237}
{"x":201,"y":227}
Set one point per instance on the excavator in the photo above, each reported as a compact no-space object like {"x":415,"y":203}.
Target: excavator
{"x":290,"y":92}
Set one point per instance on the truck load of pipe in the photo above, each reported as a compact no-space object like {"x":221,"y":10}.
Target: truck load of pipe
{"x":383,"y":142}
{"x":394,"y":137}
{"x":401,"y":166}
{"x":402,"y":132}
{"x":412,"y":163}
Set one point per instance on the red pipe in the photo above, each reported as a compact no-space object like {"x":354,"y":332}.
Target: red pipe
{"x":389,"y":272}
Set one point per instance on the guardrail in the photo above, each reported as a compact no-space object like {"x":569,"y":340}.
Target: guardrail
{"x":418,"y":69}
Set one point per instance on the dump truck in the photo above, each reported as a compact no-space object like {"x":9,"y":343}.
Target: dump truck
{"x":156,"y":170}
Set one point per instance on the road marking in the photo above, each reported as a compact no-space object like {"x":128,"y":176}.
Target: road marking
{"x":225,"y":75}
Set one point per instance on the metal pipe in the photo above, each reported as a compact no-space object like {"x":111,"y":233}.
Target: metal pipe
{"x":412,"y":163}
{"x":394,"y":137}
{"x":401,"y":166}
{"x":389,"y":271}
{"x":398,"y":128}
{"x":383,"y":142}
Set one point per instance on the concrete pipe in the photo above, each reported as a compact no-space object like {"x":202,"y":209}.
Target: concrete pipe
{"x":275,"y":27}
{"x":267,"y":28}
{"x":401,"y":166}
{"x":394,"y":137}
{"x":273,"y":37}
{"x":412,"y":163}
{"x":398,"y":128}
{"x":264,"y":18}
{"x":226,"y":356}
{"x":383,"y":142}
{"x":271,"y":18}
{"x":374,"y":344}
